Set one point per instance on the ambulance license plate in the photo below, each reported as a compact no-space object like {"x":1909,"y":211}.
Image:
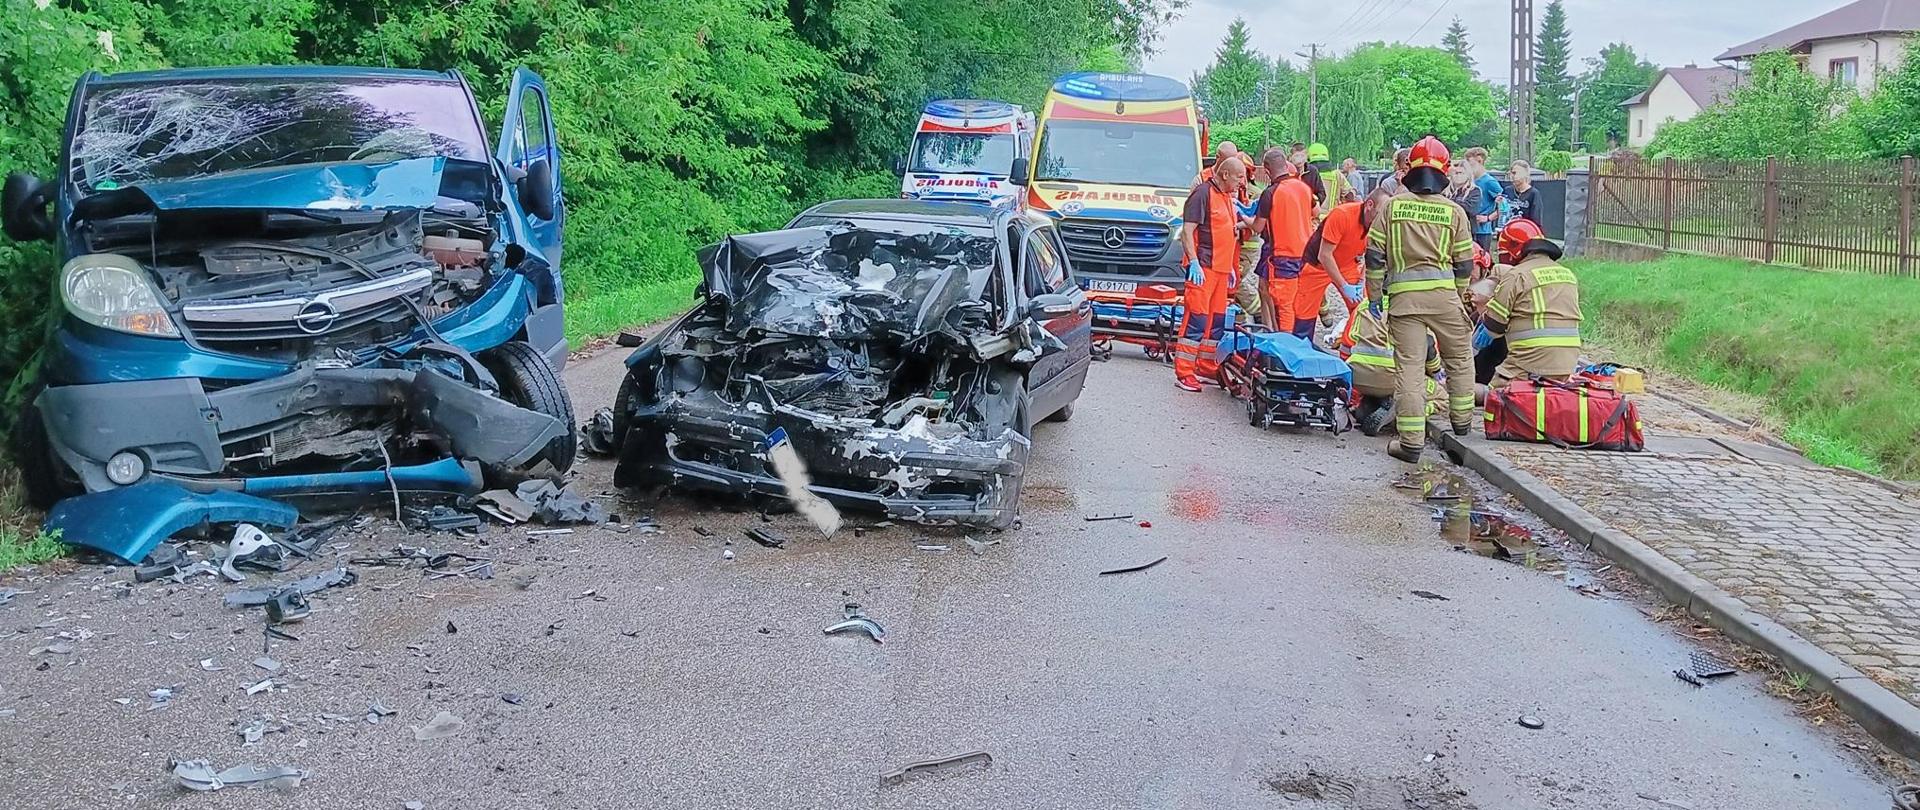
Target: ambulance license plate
{"x":1103,"y":285}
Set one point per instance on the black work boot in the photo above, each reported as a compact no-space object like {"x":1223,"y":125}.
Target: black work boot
{"x":1410,"y":455}
{"x":1463,"y":428}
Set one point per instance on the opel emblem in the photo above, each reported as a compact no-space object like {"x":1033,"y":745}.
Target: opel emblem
{"x":1113,"y":238}
{"x":315,"y":317}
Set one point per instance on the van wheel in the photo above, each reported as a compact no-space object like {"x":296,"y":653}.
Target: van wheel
{"x":1065,"y":414}
{"x":529,"y":381}
{"x":44,"y":477}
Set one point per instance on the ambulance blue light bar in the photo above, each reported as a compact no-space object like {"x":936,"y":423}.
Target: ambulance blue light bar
{"x":1121,"y":87}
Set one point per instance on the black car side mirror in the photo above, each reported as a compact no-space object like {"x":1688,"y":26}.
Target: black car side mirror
{"x":536,"y":189}
{"x":1051,"y":305}
{"x":1018,"y":176}
{"x":23,"y":208}
{"x":900,"y":166}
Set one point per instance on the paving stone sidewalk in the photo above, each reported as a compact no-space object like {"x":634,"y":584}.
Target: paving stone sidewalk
{"x":1833,"y":556}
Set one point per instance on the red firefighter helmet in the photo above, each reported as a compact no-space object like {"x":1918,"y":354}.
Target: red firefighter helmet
{"x":1514,"y":239}
{"x":1432,"y":154}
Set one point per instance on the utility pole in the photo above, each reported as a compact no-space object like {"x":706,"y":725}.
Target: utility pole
{"x":1266,"y":111}
{"x":1574,"y":138}
{"x":1313,"y":91}
{"x":1520,"y":138}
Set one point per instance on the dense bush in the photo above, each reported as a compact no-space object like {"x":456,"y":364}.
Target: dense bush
{"x":679,"y":121}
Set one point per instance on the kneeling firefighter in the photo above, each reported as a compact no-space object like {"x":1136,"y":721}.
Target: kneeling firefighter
{"x":1535,"y":306}
{"x":1370,"y":354}
{"x":1420,"y":254}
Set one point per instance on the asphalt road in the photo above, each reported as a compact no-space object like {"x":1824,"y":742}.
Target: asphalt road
{"x":1277,"y":659}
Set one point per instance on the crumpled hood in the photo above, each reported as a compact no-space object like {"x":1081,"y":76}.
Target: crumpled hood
{"x":840,"y":282}
{"x":411,"y":183}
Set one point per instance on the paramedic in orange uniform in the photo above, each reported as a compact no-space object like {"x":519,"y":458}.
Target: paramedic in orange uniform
{"x":1284,"y":215}
{"x":1212,"y":248}
{"x":1342,"y":240}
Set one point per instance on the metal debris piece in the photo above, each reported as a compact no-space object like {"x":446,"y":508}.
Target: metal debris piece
{"x":925,"y":767}
{"x":414,"y":806}
{"x":56,"y":648}
{"x":1707,"y":665}
{"x":209,"y":665}
{"x":377,"y":710}
{"x":513,"y":698}
{"x":1132,"y":568}
{"x":179,"y":636}
{"x":254,"y":597}
{"x":287,"y":607}
{"x":1431,"y":595}
{"x":198,"y":774}
{"x":444,"y":724}
{"x":504,"y":506}
{"x":548,"y":532}
{"x":271,"y":666}
{"x":980,"y":546}
{"x":452,"y":629}
{"x":766,"y":537}
{"x":263,"y":686}
{"x":1688,"y":676}
{"x":629,"y":340}
{"x":596,"y":434}
{"x":935,"y":547}
{"x":161,"y":697}
{"x":856,"y":619}
{"x":1098,"y":518}
{"x":1532,"y":722}
{"x":726,"y":554}
{"x":554,"y":504}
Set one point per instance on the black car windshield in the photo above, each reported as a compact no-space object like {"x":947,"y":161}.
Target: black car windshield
{"x":137,"y":133}
{"x":962,"y":153}
{"x":1118,"y":152}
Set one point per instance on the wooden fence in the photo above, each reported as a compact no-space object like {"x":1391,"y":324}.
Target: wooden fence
{"x":1839,"y":215}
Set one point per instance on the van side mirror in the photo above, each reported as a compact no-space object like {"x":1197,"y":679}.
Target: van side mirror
{"x":1018,"y":174}
{"x":536,"y":189}
{"x":900,"y":166}
{"x":23,"y":208}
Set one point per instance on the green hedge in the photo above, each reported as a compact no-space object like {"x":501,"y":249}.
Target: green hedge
{"x":1835,"y":355}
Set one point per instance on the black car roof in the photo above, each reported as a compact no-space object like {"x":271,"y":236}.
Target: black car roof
{"x":928,"y":211}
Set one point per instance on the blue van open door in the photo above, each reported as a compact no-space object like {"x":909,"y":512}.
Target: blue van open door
{"x":527,"y":144}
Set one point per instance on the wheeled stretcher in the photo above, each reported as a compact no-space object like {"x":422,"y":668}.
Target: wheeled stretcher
{"x":1149,"y":318}
{"x":1284,"y":379}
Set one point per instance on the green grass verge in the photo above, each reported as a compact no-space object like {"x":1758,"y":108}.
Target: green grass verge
{"x":20,"y":547}
{"x":608,"y":313}
{"x":1835,"y":356}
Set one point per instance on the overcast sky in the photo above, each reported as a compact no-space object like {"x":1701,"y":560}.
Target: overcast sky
{"x":1667,"y":32}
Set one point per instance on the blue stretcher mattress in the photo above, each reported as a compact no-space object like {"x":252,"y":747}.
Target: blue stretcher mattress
{"x":1149,"y":312}
{"x":1298,"y":357}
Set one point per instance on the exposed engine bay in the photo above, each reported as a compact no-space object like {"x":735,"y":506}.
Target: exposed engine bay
{"x":888,"y":358}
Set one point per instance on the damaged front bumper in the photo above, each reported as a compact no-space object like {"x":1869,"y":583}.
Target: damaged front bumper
{"x":182,"y":431}
{"x":922,"y":471}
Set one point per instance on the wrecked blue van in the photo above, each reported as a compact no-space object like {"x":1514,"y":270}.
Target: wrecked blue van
{"x":296,"y":280}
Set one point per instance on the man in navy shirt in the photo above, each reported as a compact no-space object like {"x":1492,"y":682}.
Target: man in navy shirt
{"x":1487,"y":218}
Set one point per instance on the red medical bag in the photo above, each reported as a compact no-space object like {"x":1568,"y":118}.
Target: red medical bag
{"x":1574,"y":414}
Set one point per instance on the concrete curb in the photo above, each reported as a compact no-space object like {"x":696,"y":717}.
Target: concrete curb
{"x":1885,"y":715}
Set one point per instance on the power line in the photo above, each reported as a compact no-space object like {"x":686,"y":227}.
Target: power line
{"x":1423,"y":26}
{"x":1357,"y":8}
{"x":1385,"y":12}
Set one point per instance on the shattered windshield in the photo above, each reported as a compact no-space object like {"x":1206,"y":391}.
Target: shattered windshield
{"x":139,"y":133}
{"x":846,"y":282}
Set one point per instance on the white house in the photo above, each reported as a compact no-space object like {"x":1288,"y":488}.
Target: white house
{"x":1851,"y":44}
{"x":1677,"y":95}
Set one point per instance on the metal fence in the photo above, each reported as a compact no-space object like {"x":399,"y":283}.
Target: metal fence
{"x":1840,"y":215}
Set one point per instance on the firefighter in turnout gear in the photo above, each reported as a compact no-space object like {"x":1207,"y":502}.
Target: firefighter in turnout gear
{"x":1535,"y":306}
{"x":1419,"y":262}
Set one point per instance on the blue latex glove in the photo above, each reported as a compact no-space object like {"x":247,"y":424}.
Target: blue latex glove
{"x":1374,"y":308}
{"x":1352,"y":292}
{"x":1194,"y":276}
{"x":1247,"y":209}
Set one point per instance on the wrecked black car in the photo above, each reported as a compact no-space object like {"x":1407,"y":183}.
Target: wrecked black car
{"x":296,"y":280}
{"x":905,"y":347}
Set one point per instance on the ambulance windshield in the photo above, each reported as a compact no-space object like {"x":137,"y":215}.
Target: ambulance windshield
{"x":1118,"y":153}
{"x":962,"y":153}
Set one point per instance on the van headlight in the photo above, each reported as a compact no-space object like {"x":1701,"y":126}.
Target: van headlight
{"x":110,"y":290}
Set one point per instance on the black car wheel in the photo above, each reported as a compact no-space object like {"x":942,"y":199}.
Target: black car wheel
{"x":45,"y":478}
{"x":529,"y":381}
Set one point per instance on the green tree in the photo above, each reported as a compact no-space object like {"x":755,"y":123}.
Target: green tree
{"x":1553,"y":88}
{"x":1455,"y":42}
{"x":1229,"y":88}
{"x":1424,"y":91}
{"x":1614,"y":76}
{"x":1888,"y":123}
{"x":1778,"y":109}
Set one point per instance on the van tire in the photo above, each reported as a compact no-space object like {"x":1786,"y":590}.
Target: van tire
{"x":529,"y":381}
{"x":43,"y":477}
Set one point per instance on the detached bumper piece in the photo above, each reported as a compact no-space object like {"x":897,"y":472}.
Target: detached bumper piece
{"x":1285,"y":380}
{"x":182,"y":430}
{"x":129,"y":522}
{"x":924,"y":472}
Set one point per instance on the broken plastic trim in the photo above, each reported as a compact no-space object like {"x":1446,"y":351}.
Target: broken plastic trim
{"x":130,"y":521}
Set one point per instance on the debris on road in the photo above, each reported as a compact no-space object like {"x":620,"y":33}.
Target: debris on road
{"x":271,"y":666}
{"x":1099,"y":518}
{"x":856,"y":619}
{"x":442,"y":518}
{"x":1431,"y":595}
{"x":1688,"y":676}
{"x":597,"y":435}
{"x":377,"y":710}
{"x":444,"y":724}
{"x":1132,"y":568}
{"x":938,"y":548}
{"x":927,"y":767}
{"x":1531,"y":722}
{"x":199,"y":774}
{"x":981,"y":546}
{"x":793,"y":476}
{"x":128,"y":522}
{"x":303,"y":587}
{"x":766,"y":537}
{"x":263,"y":686}
{"x":503,"y":506}
{"x":554,"y":504}
{"x":1707,"y":665}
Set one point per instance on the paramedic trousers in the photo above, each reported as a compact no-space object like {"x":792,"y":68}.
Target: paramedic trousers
{"x":1283,"y":285}
{"x":1202,"y":324}
{"x":1453,"y":334}
{"x":1310,"y":296}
